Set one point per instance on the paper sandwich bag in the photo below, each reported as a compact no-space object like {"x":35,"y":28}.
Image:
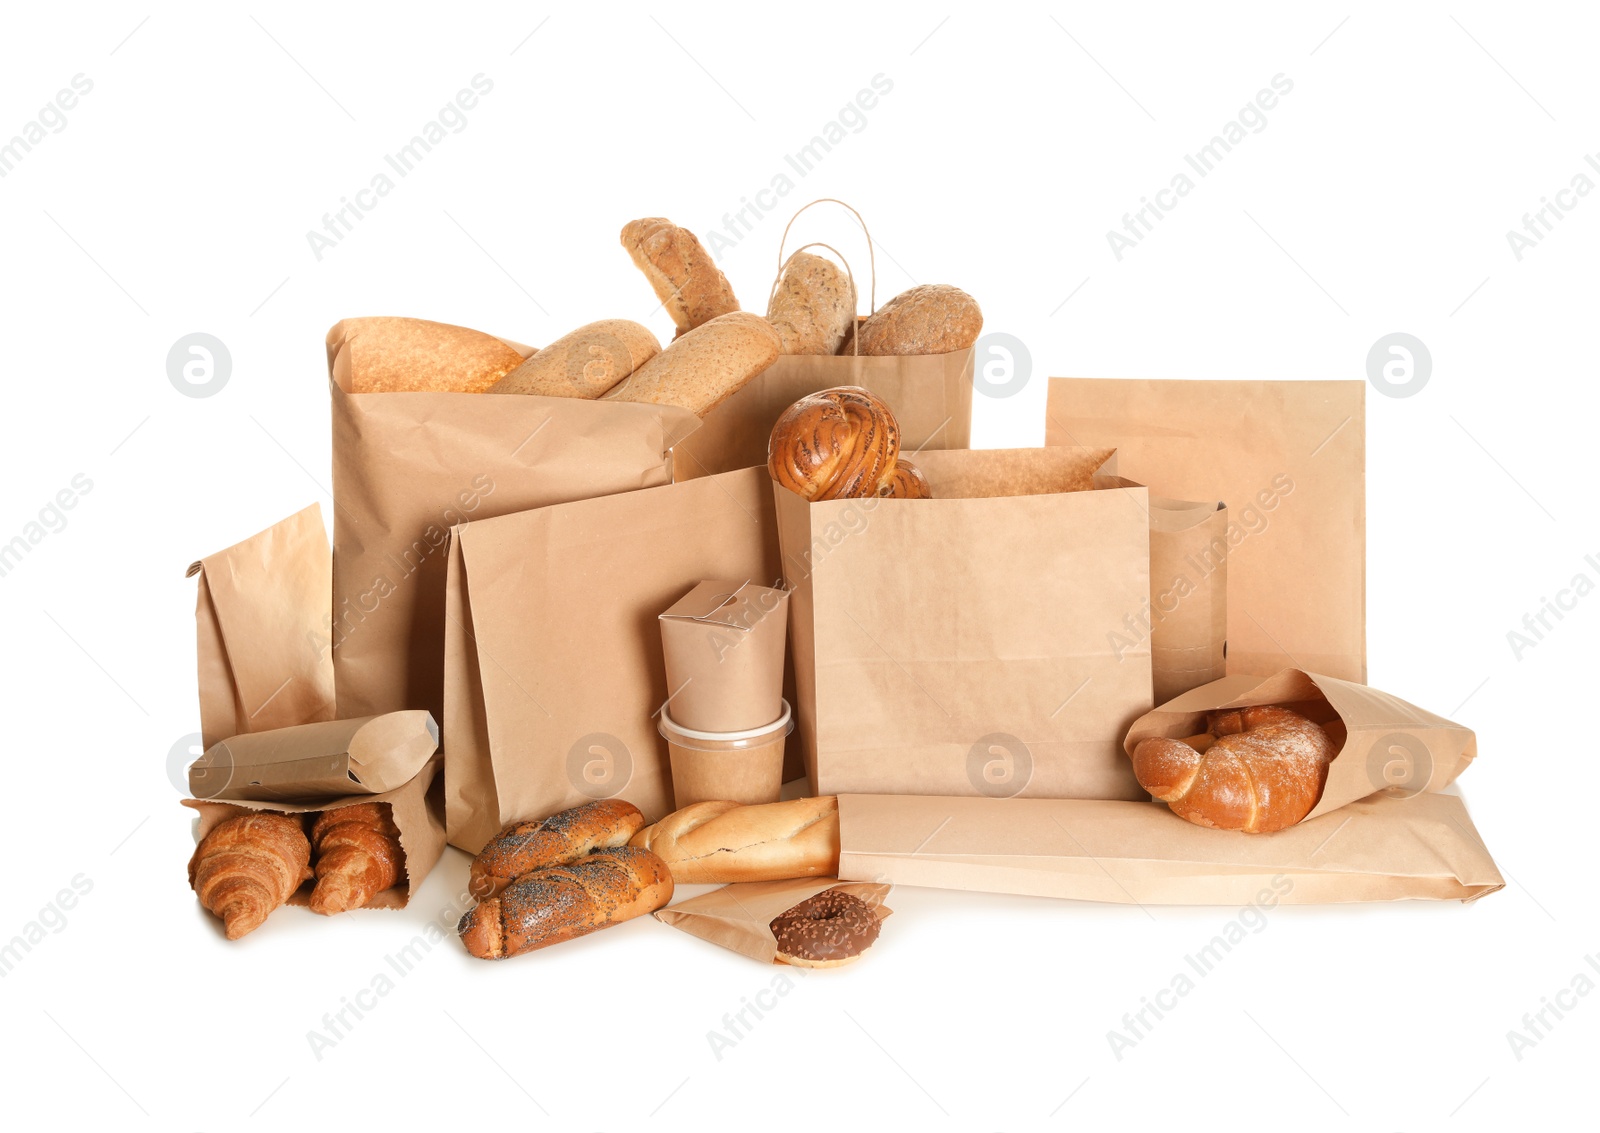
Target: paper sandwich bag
{"x":738,"y":916}
{"x":371,"y":755}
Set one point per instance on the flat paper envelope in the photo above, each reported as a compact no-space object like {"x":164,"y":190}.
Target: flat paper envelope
{"x":737,"y":916}
{"x":372,"y":755}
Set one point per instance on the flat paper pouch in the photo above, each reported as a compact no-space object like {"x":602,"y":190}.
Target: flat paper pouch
{"x":370,"y":755}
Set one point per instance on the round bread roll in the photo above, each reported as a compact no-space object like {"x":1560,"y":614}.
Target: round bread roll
{"x":837,"y":444}
{"x":398,"y":355}
{"x":932,"y":318}
{"x":814,"y":306}
{"x":585,"y":363}
{"x":905,"y":482}
{"x":706,"y":366}
{"x":690,"y":286}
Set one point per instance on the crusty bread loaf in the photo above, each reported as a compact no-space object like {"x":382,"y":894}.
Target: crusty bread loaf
{"x":705,"y":367}
{"x":565,"y":901}
{"x":525,"y":847}
{"x":835,"y":444}
{"x":690,"y":286}
{"x":398,"y":355}
{"x":814,"y":306}
{"x":722,"y":842}
{"x":1257,"y":770}
{"x":931,"y":318}
{"x":585,"y":363}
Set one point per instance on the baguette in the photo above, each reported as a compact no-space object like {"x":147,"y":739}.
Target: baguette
{"x":525,"y":847}
{"x":585,"y":363}
{"x":690,"y":286}
{"x":722,"y":842}
{"x":396,"y":355}
{"x":706,"y":366}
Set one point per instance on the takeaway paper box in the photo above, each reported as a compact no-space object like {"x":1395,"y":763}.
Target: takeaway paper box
{"x":724,"y":648}
{"x":372,"y":755}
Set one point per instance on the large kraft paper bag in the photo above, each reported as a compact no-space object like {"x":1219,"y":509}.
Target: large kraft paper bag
{"x":1379,"y":849}
{"x":1385,"y":743}
{"x":407,"y":467}
{"x":965,"y":645}
{"x":1288,"y":459}
{"x":554,"y":674}
{"x":931,"y":395}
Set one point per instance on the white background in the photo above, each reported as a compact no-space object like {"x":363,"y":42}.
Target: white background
{"x":1377,"y":199}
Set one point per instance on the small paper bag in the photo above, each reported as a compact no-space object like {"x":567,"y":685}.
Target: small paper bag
{"x":372,"y":755}
{"x":724,"y":647}
{"x":737,"y":916}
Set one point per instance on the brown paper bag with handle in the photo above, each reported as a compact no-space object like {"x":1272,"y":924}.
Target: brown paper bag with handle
{"x":1379,"y":849}
{"x":553,"y":665}
{"x":1289,"y":460}
{"x":261,"y":618}
{"x":417,"y":808}
{"x":407,"y":467}
{"x":1385,"y":744}
{"x":965,"y":644}
{"x":930,"y":394}
{"x":738,"y":916}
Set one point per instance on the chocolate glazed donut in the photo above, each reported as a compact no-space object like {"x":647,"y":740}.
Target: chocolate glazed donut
{"x":825,"y":931}
{"x":837,"y":444}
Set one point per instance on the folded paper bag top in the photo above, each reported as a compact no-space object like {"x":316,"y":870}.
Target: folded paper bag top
{"x":723,"y":643}
{"x":739,"y":916}
{"x":1385,"y":744}
{"x":370,"y":755}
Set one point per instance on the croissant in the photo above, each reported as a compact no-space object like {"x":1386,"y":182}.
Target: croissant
{"x":1257,"y":770}
{"x":358,"y":856}
{"x":249,"y":865}
{"x":833,"y":445}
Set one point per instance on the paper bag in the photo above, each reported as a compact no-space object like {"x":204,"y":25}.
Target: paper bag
{"x":1289,"y":461}
{"x":931,"y":395}
{"x":553,"y":664}
{"x":372,"y":755}
{"x":417,"y":807}
{"x":723,"y":643}
{"x":261,"y":617}
{"x":1188,"y":617}
{"x":967,"y":644}
{"x":407,"y":467}
{"x":737,"y":916}
{"x":1385,"y":744}
{"x":1380,"y":849}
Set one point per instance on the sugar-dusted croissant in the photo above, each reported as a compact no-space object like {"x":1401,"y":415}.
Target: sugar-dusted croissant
{"x":358,"y":856}
{"x":1263,"y":771}
{"x":837,"y":444}
{"x":247,"y":866}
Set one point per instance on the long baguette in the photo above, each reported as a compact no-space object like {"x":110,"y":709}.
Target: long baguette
{"x":722,"y":842}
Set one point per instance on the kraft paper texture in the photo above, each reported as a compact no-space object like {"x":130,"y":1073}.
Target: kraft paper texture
{"x":737,"y":916}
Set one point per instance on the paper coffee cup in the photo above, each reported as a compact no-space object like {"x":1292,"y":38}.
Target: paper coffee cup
{"x":723,"y":643}
{"x":741,"y":767}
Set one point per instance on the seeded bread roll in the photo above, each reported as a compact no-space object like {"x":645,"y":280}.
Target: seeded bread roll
{"x":905,"y":482}
{"x":396,"y":355}
{"x":814,"y":306}
{"x":933,"y":318}
{"x":722,"y":842}
{"x":539,"y":843}
{"x":834,"y":444}
{"x":585,"y":363}
{"x":706,"y":366}
{"x":690,"y":286}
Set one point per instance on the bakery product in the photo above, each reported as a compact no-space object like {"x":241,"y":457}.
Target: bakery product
{"x":905,"y":482}
{"x":559,"y":903}
{"x":247,"y":866}
{"x":358,"y":856}
{"x":814,"y":306}
{"x":931,"y":318}
{"x":720,"y":842}
{"x":690,"y":286}
{"x":706,"y":366}
{"x":397,"y":355}
{"x":1256,"y":770}
{"x":837,"y":444}
{"x":585,"y":363}
{"x":828,"y":930}
{"x":524,"y":847}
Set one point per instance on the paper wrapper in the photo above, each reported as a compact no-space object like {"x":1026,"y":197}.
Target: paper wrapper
{"x":261,"y":618}
{"x":1380,"y":849}
{"x":372,"y":755}
{"x":407,"y":467}
{"x":418,"y":810}
{"x":1385,"y":744}
{"x":1289,"y":460}
{"x":931,"y":395}
{"x":969,"y":644}
{"x":737,"y":916}
{"x":1188,"y":595}
{"x":723,"y":643}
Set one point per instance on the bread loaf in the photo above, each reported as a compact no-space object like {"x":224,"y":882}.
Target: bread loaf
{"x":837,"y":444}
{"x":525,"y":847}
{"x":690,"y":286}
{"x":932,"y":318}
{"x":584,"y":363}
{"x":814,"y":306}
{"x":397,"y":355}
{"x":722,"y":842}
{"x":1257,"y":770}
{"x":706,"y":366}
{"x":566,"y":901}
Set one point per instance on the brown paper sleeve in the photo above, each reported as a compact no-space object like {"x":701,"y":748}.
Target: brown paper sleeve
{"x":329,"y":759}
{"x":737,"y":916}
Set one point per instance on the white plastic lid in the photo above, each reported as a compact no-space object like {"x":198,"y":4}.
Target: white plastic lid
{"x":670,"y":725}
